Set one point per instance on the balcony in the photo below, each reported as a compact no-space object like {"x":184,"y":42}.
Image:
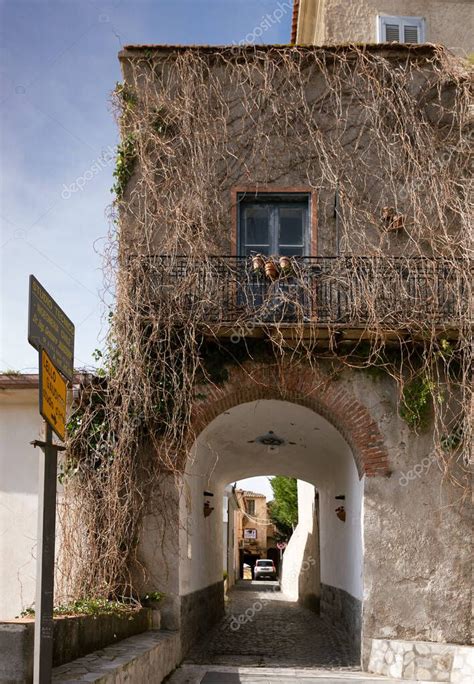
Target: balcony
{"x":412,"y":294}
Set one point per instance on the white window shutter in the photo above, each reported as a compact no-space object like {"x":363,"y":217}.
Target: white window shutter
{"x":401,"y":29}
{"x":392,"y":33}
{"x":410,"y":34}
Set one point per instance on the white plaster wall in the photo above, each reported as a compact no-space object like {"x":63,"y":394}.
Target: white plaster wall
{"x":230,"y":551}
{"x":300,"y":567}
{"x":20,"y":423}
{"x":342,"y":542}
{"x":225,"y":531}
{"x":201,"y":548}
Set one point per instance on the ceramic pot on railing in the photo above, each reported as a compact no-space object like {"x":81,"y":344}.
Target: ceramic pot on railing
{"x":271,"y":270}
{"x":258,"y":263}
{"x":285,"y":264}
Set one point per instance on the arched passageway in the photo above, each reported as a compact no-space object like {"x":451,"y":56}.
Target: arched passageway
{"x":304,"y":445}
{"x":385,"y":566}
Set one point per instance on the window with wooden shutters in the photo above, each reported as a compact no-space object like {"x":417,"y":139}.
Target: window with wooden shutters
{"x":401,"y":30}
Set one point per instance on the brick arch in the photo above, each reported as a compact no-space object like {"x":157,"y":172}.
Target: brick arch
{"x":303,"y":385}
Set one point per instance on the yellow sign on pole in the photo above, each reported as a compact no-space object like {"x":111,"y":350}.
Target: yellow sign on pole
{"x":52,"y":396}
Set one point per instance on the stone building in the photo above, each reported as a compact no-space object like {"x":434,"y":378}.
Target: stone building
{"x":328,"y":22}
{"x":284,"y":166}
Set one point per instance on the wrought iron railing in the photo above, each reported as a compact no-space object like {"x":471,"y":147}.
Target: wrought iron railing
{"x":354,"y":291}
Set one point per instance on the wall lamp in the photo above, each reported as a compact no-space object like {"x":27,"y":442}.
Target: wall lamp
{"x":207,"y":505}
{"x":341,"y":511}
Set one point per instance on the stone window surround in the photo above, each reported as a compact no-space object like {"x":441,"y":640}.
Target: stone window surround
{"x":276,"y":189}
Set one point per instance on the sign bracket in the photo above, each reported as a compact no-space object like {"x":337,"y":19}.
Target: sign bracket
{"x":39,"y":443}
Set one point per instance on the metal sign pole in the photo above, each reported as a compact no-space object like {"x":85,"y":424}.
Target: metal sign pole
{"x":43,"y":653}
{"x":51,"y":332}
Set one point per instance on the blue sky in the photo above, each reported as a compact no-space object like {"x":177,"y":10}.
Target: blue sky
{"x":58,"y":66}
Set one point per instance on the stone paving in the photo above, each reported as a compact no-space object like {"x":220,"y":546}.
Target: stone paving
{"x":263,"y":628}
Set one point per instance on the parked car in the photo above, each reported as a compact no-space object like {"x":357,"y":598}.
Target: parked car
{"x":264,"y":569}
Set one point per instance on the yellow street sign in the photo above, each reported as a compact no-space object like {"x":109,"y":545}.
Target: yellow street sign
{"x":52,"y":396}
{"x":49,"y":328}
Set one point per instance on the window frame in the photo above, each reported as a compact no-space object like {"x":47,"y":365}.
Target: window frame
{"x":401,"y":20}
{"x":278,"y":192}
{"x":249,"y":506}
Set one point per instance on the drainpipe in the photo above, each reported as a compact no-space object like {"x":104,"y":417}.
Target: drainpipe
{"x":336,"y":216}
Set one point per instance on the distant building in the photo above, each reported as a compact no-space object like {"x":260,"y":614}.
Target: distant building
{"x":255,"y":532}
{"x":329,"y":22}
{"x":20,"y":423}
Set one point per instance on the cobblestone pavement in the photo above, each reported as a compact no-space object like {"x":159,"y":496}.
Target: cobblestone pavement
{"x":263,"y":628}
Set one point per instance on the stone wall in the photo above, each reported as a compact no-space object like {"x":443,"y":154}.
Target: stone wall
{"x":325,"y":22}
{"x":142,"y":659}
{"x":422,"y":661}
{"x":449,"y":23}
{"x":200,"y":611}
{"x":342,"y":608}
{"x":73,"y":638}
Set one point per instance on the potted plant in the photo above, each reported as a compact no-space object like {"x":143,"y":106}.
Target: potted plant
{"x":151,"y":599}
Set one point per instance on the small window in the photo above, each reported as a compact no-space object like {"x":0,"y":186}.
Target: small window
{"x":274,"y":224}
{"x":401,"y":30}
{"x":251,"y":507}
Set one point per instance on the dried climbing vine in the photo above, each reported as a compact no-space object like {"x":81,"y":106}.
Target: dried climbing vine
{"x":386,"y":131}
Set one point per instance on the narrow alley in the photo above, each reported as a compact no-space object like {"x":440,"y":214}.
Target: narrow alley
{"x":263,"y":629}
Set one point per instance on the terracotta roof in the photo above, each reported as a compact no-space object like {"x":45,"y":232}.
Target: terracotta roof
{"x":19,"y":380}
{"x":294,"y":20}
{"x":404,"y":48}
{"x":10,"y":381}
{"x":254,"y":494}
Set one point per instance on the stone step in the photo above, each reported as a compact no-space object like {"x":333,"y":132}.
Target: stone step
{"x":208,"y":674}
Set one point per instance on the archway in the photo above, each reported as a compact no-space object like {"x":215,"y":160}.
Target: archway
{"x":306,"y":386}
{"x":234,"y":445}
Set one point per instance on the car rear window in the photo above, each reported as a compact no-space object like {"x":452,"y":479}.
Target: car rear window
{"x":266,"y":564}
